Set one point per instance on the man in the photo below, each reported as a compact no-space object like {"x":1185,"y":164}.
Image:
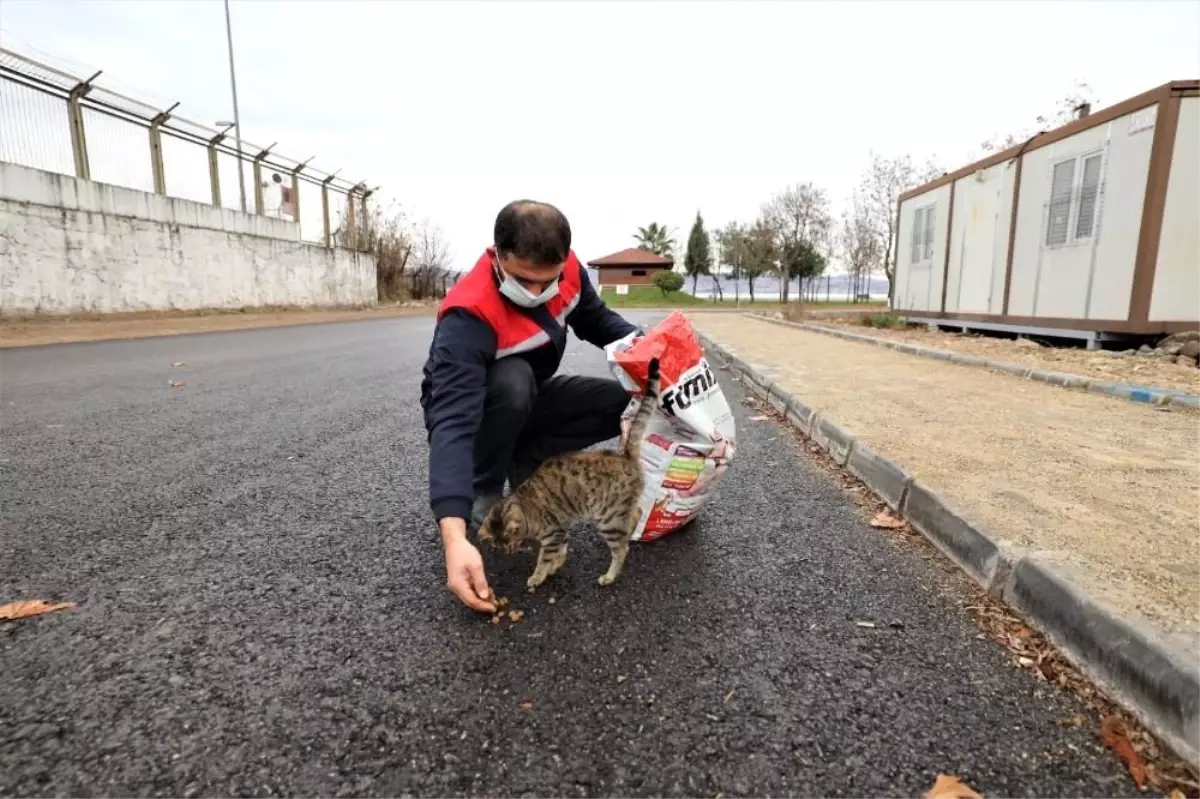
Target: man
{"x":494,"y":408}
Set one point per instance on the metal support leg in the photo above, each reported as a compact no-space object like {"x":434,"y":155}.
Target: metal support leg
{"x":259,"y":205}
{"x":156,"y":154}
{"x":214,"y":167}
{"x":83,"y":168}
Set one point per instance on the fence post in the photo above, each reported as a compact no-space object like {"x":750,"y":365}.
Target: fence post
{"x":296,"y":189}
{"x":351,"y":229}
{"x":156,"y":156}
{"x":258,"y":189}
{"x":214,"y":171}
{"x":83,"y":168}
{"x":325,"y":207}
{"x":366,"y":219}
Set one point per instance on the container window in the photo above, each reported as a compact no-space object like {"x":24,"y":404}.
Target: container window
{"x":918,"y":228}
{"x":1061,"y":183}
{"x":929,"y":220}
{"x":1089,"y":190}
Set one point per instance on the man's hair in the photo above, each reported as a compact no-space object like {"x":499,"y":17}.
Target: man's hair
{"x":533,"y":231}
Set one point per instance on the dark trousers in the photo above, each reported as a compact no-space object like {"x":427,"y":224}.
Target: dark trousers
{"x":523,"y":423}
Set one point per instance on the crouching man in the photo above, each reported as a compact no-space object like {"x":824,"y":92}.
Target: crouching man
{"x":494,"y":407}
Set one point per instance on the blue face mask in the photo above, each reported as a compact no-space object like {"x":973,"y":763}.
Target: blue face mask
{"x":510,"y":287}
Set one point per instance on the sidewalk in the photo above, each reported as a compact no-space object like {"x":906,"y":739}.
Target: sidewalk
{"x":1107,"y":491}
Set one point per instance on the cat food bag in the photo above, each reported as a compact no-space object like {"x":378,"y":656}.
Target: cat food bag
{"x":689,"y":439}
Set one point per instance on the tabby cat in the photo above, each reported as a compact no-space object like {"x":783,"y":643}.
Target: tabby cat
{"x":602,"y":487}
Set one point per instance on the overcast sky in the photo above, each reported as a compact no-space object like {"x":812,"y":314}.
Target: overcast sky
{"x":620,"y":113}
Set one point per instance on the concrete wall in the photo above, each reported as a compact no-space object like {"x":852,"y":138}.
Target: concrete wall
{"x":68,"y":245}
{"x":1092,"y":277}
{"x":1176,"y":293}
{"x":919,"y":281}
{"x":979,"y":242}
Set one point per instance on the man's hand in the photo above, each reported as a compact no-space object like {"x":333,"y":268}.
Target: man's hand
{"x":464,"y":567}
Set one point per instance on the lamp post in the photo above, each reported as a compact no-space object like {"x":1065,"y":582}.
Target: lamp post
{"x":237,"y":122}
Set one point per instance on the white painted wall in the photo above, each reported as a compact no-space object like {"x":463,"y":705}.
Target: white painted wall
{"x":1176,"y":293}
{"x":919,"y":283}
{"x":68,"y":245}
{"x":1057,"y":281}
{"x":979,"y":240}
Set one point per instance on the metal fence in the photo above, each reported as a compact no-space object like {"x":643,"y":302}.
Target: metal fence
{"x":53,"y":120}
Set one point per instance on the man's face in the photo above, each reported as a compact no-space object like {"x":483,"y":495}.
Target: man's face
{"x":533,"y":277}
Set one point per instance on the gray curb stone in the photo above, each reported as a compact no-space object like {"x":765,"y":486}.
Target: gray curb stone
{"x":1162,"y":689}
{"x":1127,"y":391}
{"x":973,"y":551}
{"x":1145,"y":676}
{"x":882,"y":476}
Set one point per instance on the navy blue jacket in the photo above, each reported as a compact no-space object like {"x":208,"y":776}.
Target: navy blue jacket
{"x":455,"y":384}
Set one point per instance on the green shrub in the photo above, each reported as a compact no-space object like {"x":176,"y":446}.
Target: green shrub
{"x":668,"y":281}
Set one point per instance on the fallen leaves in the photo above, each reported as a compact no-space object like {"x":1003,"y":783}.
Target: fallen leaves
{"x":948,"y":786}
{"x":527,"y":704}
{"x":178,"y":364}
{"x":1115,"y":737}
{"x":175,"y":383}
{"x":886,"y":521}
{"x":31,"y":607}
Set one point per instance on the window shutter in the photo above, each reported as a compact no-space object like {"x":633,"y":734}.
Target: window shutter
{"x":918,"y":226}
{"x":930,"y":219}
{"x":1060,"y":203}
{"x":1088,"y":193}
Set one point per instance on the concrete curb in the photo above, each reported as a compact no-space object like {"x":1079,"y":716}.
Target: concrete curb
{"x":1134,"y":669}
{"x":1128,"y":391}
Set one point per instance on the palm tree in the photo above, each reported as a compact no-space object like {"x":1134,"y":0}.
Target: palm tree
{"x":656,"y":239}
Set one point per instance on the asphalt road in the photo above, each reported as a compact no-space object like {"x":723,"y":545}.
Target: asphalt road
{"x":262,"y":609}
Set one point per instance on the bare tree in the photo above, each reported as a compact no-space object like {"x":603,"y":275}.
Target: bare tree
{"x":383,"y":232}
{"x":800,"y":219}
{"x":1077,"y":96}
{"x":431,"y":261}
{"x":886,"y":179}
{"x":858,"y":244}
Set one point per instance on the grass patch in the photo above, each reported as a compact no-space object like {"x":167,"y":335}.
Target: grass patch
{"x":885,"y":321}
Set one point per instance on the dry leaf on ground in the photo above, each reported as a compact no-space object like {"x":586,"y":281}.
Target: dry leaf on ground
{"x":178,"y":364}
{"x":31,"y":607}
{"x":886,"y":521}
{"x":759,"y":418}
{"x":527,"y":705}
{"x":947,"y":786}
{"x":1112,"y":733}
{"x":174,"y":383}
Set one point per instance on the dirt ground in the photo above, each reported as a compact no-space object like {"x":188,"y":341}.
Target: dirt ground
{"x":1099,"y":364}
{"x":1108,"y":490}
{"x":34,"y":331}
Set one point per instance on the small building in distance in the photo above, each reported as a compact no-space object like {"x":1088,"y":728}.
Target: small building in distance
{"x":632,"y":267}
{"x":1086,"y":231}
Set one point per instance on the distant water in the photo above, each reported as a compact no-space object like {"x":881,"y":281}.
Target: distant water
{"x":831,"y":287}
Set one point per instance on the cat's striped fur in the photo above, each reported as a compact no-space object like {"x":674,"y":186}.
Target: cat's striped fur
{"x":602,"y":487}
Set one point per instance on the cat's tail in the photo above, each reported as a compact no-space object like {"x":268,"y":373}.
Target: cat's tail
{"x":637,"y":426}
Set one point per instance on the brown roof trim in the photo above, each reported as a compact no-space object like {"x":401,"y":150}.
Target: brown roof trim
{"x":632,"y":257}
{"x":1178,"y":88}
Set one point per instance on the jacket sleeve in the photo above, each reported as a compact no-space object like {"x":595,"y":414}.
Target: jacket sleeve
{"x":595,"y":322}
{"x":463,"y":347}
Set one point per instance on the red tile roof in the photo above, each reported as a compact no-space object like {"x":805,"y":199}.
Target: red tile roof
{"x":632,"y":257}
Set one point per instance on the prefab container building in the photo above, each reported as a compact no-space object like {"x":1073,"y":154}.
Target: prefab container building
{"x":1086,"y":231}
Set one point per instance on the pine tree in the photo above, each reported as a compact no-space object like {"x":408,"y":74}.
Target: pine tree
{"x":698,"y":260}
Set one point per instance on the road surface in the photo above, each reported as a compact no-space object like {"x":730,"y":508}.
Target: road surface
{"x":262,"y":608}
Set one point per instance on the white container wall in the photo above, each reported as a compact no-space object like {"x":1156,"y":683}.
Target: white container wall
{"x":1177,"y":268}
{"x":1073,"y":256}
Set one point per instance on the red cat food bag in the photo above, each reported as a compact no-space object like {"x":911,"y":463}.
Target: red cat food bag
{"x":690,"y":437}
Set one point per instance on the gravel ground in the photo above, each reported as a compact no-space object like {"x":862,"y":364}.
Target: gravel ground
{"x":263,"y":611}
{"x":1109,"y":365}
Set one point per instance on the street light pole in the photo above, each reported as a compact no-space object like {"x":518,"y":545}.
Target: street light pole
{"x":237,"y":121}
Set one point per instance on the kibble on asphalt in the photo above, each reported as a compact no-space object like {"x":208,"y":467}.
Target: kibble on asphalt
{"x":262,"y":608}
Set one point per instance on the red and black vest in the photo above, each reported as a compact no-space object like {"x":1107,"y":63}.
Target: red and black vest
{"x":515,"y":328}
